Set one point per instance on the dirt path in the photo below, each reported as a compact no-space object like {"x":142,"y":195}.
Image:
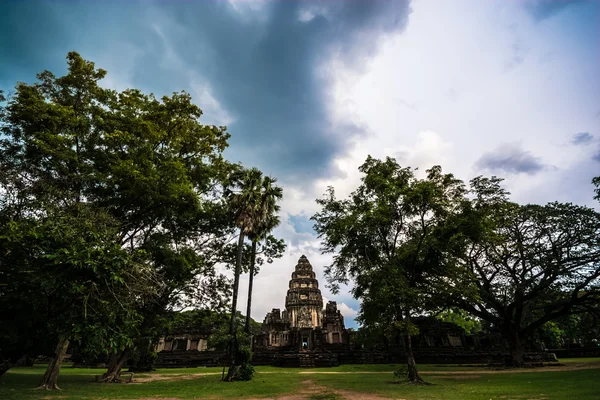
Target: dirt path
{"x":310,"y":390}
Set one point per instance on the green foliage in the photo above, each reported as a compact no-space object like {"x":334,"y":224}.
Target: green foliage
{"x":246,"y":370}
{"x":551,"y":335}
{"x":525,"y":264}
{"x":389,"y":237}
{"x":462,"y":319}
{"x":402,"y":327}
{"x":113,"y":202}
{"x":401,"y":373}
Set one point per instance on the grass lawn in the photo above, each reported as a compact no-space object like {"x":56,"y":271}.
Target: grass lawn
{"x":578,"y":379}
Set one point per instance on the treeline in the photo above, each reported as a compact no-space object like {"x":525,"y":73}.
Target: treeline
{"x":416,"y":246}
{"x":116,"y":209}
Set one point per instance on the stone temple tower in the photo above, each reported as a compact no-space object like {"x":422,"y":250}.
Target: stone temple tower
{"x":304,"y":303}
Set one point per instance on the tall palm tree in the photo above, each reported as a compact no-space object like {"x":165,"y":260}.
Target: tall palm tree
{"x":242,"y":196}
{"x":252,"y":200}
{"x":266,"y":220}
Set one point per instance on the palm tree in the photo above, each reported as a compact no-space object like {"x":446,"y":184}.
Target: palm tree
{"x":265,"y":220}
{"x":252,"y":200}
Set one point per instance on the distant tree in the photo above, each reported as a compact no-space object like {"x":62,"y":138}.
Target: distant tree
{"x":526,"y":264}
{"x":387,"y":237}
{"x":146,"y":164}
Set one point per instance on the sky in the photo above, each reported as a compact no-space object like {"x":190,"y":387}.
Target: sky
{"x":308,"y":89}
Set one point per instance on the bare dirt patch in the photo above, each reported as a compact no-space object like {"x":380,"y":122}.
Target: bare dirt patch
{"x":311,"y":391}
{"x":159,"y":398}
{"x":170,"y":377}
{"x":461,"y":377}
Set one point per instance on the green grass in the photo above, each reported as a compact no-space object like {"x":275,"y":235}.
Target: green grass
{"x":469,"y":383}
{"x":579,"y":360}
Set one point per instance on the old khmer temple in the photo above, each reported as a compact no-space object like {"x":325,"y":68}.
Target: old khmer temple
{"x":304,"y":324}
{"x":308,"y":333}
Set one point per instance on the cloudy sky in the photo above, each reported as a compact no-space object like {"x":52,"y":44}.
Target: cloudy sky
{"x":309,"y":88}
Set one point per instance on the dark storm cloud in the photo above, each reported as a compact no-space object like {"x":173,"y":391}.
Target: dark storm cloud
{"x":262,"y":66}
{"x":542,"y":9}
{"x":510,"y":159}
{"x":582,"y":138}
{"x":265,"y":71}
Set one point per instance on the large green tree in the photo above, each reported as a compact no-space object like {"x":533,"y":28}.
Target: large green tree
{"x":525,"y":264}
{"x":147,"y":164}
{"x":387,"y":238}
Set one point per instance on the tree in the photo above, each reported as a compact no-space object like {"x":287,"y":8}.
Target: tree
{"x":267,"y":220}
{"x":252,"y":200}
{"x":80,"y":278}
{"x":526,"y":264}
{"x":386,"y":236}
{"x":146,"y":164}
{"x":271,"y":248}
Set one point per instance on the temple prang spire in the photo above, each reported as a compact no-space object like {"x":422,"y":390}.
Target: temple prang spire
{"x":304,"y":303}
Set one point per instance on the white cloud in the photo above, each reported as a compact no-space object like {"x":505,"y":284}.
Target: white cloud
{"x":462,"y":80}
{"x":347,"y":311}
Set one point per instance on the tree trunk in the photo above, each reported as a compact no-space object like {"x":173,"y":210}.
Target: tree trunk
{"x":413,"y":373}
{"x":51,"y":376}
{"x":232,"y":331}
{"x":5,"y":365}
{"x":115,"y":365}
{"x":250,"y":282}
{"x":517,"y":353}
{"x":25,"y":361}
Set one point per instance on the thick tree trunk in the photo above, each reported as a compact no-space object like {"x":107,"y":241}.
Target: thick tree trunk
{"x":50,"y":379}
{"x":5,"y":365}
{"x":232,"y":331}
{"x":250,"y":282}
{"x":517,"y":352}
{"x":115,"y":365}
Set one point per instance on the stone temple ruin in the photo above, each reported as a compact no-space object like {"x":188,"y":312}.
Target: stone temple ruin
{"x":304,"y":325}
{"x":307,"y":335}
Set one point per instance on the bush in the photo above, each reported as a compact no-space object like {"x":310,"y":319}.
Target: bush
{"x":401,"y":373}
{"x":246,"y":372}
